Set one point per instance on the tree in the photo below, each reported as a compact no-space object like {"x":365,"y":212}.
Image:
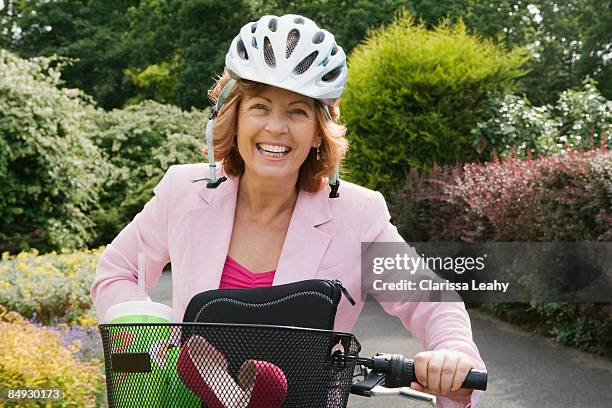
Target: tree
{"x":563,"y":37}
{"x":11,"y":12}
{"x":348,"y":20}
{"x":568,"y":41}
{"x":154,"y":61}
{"x":206,"y":29}
{"x":91,"y":32}
{"x":167,"y":50}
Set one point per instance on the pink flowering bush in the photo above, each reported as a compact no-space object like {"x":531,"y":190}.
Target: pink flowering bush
{"x":562,"y":198}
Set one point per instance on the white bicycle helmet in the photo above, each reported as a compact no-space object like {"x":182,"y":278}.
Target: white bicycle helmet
{"x":289,"y":52}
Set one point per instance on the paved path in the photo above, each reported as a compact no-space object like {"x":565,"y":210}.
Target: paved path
{"x":525,"y":370}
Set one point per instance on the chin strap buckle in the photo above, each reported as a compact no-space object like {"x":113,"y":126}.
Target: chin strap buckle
{"x":211,"y":182}
{"x":334,"y":189}
{"x":214,"y":184}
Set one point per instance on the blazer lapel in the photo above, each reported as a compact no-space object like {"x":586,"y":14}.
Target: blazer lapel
{"x":304,"y":245}
{"x":210,"y":229}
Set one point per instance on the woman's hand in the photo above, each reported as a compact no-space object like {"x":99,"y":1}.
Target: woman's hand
{"x":441,"y":372}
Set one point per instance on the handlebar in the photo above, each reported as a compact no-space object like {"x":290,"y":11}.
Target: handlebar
{"x":399,"y":371}
{"x":392,"y":374}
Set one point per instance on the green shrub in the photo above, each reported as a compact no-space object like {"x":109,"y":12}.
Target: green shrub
{"x":71,"y":175}
{"x":35,"y":357}
{"x":585,"y":117}
{"x":50,"y":171}
{"x":413,"y":96}
{"x":511,"y":125}
{"x":141,"y":142}
{"x":53,"y":288}
{"x":156,"y":82}
{"x":581,"y":119}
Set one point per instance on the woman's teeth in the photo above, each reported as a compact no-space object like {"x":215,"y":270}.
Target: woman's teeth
{"x":272,"y":150}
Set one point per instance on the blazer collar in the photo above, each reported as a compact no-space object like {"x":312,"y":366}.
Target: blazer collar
{"x":210,"y":228}
{"x":312,"y":208}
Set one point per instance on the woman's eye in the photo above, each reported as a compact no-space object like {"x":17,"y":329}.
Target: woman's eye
{"x":259,"y":106}
{"x":298,"y":111}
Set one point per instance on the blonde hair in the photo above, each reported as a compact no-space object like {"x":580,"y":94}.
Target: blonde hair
{"x":312,"y":172}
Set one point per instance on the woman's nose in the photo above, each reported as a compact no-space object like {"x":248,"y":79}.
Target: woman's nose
{"x":276,"y":124}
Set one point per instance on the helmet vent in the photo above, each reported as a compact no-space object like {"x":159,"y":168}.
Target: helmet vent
{"x":298,"y":20}
{"x":242,"y":52}
{"x":306,"y":63}
{"x":292,"y":41}
{"x":334,"y":50}
{"x":253,"y":27}
{"x":254,"y":42}
{"x":273,"y":24}
{"x":269,"y":53}
{"x":318,"y":38}
{"x":332,"y":75}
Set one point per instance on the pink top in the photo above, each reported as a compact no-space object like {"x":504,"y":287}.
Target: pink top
{"x":236,"y":276}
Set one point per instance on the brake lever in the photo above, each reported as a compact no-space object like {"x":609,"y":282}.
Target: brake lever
{"x":405,"y":392}
{"x":370,"y":387}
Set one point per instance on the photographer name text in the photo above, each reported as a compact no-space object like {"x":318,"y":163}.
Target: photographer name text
{"x":432,"y":285}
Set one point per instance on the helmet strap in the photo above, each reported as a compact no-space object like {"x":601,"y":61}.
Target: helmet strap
{"x":327,"y":112}
{"x":334,"y":184}
{"x":212,"y":181}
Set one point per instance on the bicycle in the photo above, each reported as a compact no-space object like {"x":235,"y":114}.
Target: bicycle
{"x":249,"y":366}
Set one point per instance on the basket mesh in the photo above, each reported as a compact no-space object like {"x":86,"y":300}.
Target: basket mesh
{"x":226,"y":366}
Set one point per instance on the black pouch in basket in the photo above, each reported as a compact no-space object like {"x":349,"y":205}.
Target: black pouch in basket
{"x":310,"y":303}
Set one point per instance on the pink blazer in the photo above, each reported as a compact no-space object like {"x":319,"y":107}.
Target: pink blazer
{"x":190,"y":226}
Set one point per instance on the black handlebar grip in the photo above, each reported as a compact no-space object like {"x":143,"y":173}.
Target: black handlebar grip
{"x":475,"y":380}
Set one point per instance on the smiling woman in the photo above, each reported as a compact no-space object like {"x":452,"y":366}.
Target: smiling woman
{"x":250,"y":100}
{"x":275,"y":137}
{"x":270,"y":218}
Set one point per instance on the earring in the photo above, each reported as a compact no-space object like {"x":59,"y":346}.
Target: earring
{"x":318,"y":147}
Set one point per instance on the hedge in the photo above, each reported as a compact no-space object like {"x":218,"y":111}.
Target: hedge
{"x":562,"y":198}
{"x":51,"y":173}
{"x":413,"y":95}
{"x":141,"y":142}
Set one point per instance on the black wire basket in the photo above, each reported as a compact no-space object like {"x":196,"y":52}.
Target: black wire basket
{"x":226,"y":365}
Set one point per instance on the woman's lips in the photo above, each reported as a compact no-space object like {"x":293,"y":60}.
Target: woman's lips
{"x":273,"y":155}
